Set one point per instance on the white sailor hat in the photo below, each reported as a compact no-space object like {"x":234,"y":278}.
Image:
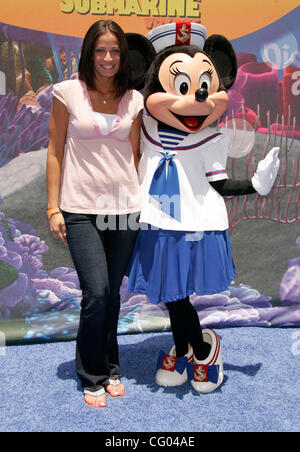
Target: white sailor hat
{"x":177,"y":33}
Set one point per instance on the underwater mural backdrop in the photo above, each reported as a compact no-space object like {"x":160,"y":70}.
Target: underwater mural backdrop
{"x":39,"y":288}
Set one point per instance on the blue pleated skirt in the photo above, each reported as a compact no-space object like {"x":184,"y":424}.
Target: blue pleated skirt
{"x":168,"y":266}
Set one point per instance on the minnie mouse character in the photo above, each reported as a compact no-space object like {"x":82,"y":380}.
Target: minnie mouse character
{"x":183,"y":245}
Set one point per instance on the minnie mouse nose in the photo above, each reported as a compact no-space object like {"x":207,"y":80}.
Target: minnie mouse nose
{"x":201,"y":94}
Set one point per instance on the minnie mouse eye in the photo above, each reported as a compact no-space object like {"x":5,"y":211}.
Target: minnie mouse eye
{"x":182,"y":84}
{"x":205,"y":81}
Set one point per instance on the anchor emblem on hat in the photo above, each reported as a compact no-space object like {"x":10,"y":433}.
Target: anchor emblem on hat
{"x":183,"y":34}
{"x":177,"y":33}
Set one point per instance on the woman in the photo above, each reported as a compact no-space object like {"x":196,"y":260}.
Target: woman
{"x":92,"y":189}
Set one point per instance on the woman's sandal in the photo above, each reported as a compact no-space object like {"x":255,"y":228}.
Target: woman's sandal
{"x":114,"y":382}
{"x":97,"y":394}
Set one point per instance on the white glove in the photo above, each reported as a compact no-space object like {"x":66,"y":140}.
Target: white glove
{"x":266,"y":172}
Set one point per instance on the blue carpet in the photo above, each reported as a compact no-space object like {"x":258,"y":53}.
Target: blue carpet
{"x":260,"y":392}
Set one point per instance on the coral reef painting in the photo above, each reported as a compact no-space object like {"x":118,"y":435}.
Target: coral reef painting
{"x":27,"y":291}
{"x":22,"y":130}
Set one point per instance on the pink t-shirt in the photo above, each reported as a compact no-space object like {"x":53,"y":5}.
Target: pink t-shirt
{"x":98,"y":172}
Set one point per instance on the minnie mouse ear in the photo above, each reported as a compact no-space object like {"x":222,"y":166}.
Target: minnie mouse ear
{"x":222,"y":53}
{"x":141,"y":54}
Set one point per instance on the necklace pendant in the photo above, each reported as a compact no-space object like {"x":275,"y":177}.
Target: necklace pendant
{"x":104,"y":101}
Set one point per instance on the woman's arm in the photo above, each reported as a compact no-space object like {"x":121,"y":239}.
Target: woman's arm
{"x":134,"y":138}
{"x":58,"y":124}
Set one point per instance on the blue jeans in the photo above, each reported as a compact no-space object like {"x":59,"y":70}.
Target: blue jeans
{"x":100,"y":258}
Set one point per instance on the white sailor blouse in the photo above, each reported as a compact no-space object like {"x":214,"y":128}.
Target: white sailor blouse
{"x":174,"y":171}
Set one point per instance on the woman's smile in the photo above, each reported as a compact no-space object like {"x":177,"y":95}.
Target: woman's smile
{"x":107,"y":55}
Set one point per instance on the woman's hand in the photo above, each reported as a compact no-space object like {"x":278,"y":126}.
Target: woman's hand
{"x":58,"y":228}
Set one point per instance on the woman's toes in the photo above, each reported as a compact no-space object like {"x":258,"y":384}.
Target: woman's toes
{"x":115,"y":391}
{"x":95,"y":402}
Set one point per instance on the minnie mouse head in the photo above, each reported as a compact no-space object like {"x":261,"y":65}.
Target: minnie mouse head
{"x":186,"y":84}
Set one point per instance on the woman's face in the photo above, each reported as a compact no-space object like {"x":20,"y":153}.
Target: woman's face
{"x":106,"y":56}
